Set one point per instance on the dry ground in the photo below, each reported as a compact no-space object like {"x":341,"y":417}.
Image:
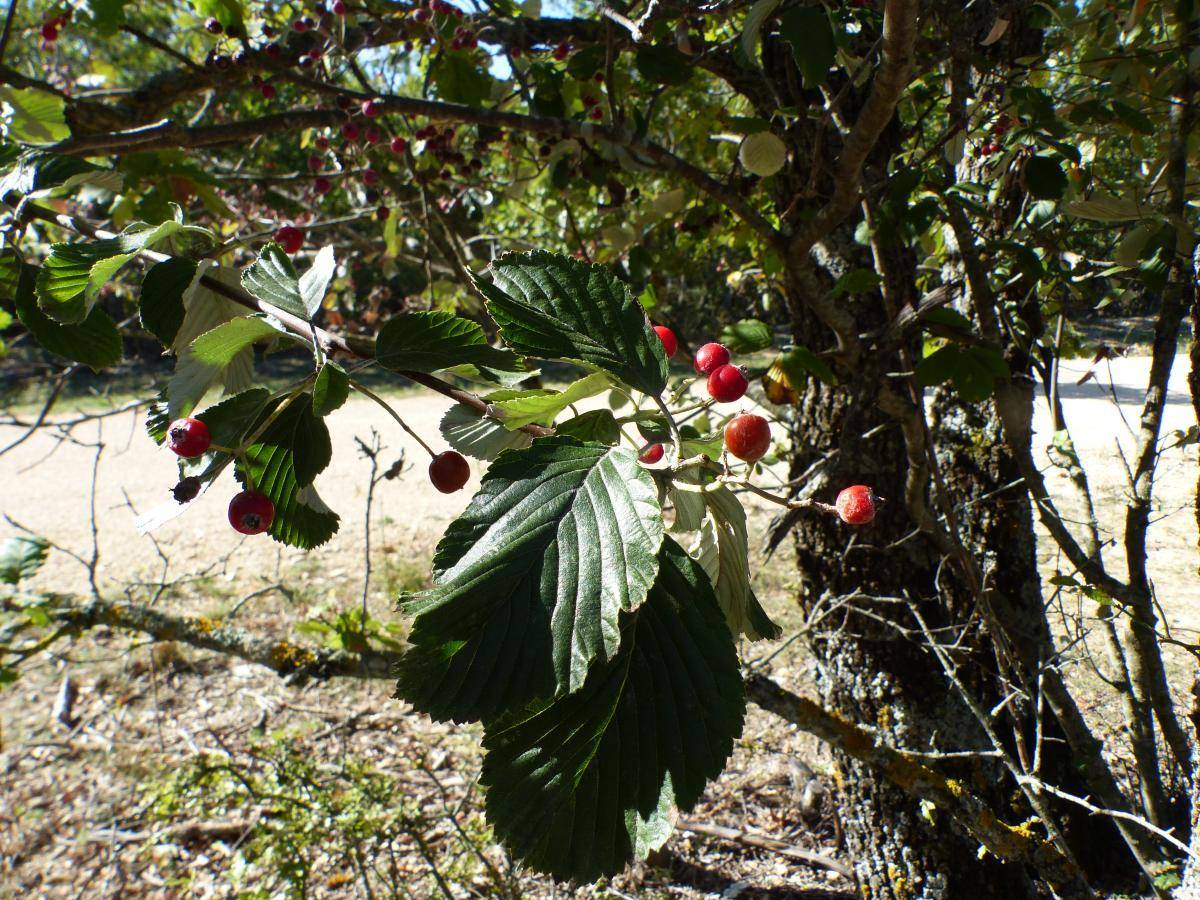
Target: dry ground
{"x":82,"y":810}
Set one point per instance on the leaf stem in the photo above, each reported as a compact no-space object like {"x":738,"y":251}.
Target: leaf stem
{"x":367,"y":392}
{"x":676,"y":437}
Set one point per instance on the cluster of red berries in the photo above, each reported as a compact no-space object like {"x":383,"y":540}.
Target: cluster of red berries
{"x":726,"y":382}
{"x":464,"y":39}
{"x":51,"y":27}
{"x":1002,"y":127}
{"x":250,"y":512}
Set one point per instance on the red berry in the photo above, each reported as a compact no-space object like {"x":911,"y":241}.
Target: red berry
{"x":338,"y":8}
{"x":373,"y":134}
{"x":727,"y":383}
{"x":856,"y":504}
{"x":350,"y":131}
{"x":748,"y":437}
{"x":321,"y":142}
{"x":273,"y":50}
{"x":251,"y":512}
{"x":449,"y":471}
{"x":322,"y":185}
{"x":514,"y":52}
{"x":710,"y":357}
{"x":49,"y":32}
{"x":382,"y":213}
{"x":370,"y":108}
{"x":290,"y":238}
{"x":667,"y":336}
{"x":315,"y":163}
{"x":399,"y":145}
{"x":188,"y":437}
{"x":598,"y":78}
{"x":652,"y":454}
{"x":370,"y":177}
{"x":212,"y":26}
{"x":268,"y":91}
{"x":420,"y":15}
{"x":300,"y":25}
{"x":562,"y":51}
{"x":596,"y":114}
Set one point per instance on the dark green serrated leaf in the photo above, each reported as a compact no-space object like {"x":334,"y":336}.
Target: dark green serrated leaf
{"x":747,"y":336}
{"x":301,"y":517}
{"x":583,"y":786}
{"x":231,"y":420}
{"x":1044,"y":178}
{"x":429,"y":341}
{"x":161,"y":303}
{"x":330,"y":389}
{"x":599,"y":425}
{"x":808,"y":30}
{"x":312,"y":449}
{"x":856,"y":281}
{"x":530,"y":580}
{"x":38,"y":170}
{"x":72,"y":275}
{"x":663,"y":64}
{"x":479,"y":436}
{"x":557,"y":307}
{"x":973,"y":370}
{"x":21,"y":557}
{"x":273,"y":278}
{"x":158,"y":419}
{"x":95,"y":342}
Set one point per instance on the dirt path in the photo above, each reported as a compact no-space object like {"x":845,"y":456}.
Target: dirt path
{"x":46,"y":488}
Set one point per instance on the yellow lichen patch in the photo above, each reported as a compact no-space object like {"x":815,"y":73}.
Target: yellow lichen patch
{"x":289,"y":657}
{"x":204,"y":625}
{"x":900,"y":884}
{"x":884,"y":717}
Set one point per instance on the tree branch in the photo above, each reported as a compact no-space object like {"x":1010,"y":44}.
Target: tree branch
{"x":297,"y":662}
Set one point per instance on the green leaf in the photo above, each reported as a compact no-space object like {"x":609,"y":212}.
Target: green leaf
{"x":210,"y":356}
{"x":331,"y":388}
{"x":723,"y":551}
{"x":1044,"y":177}
{"x":218,"y":347}
{"x":315,"y":282}
{"x":33,"y":116}
{"x":544,"y":408}
{"x":429,"y":341}
{"x":586,"y":62}
{"x":95,"y":342}
{"x":479,"y":436}
{"x":856,"y":281}
{"x":529,"y":581}
{"x":597,"y":425}
{"x":38,"y":173}
{"x":70,"y":281}
{"x":273,"y":278}
{"x":456,"y":77}
{"x":808,"y":30}
{"x":558,"y":307}
{"x":295,"y":440}
{"x":663,"y":64}
{"x":747,"y":336}
{"x":1133,"y":118}
{"x":232,"y":419}
{"x":161,"y":302}
{"x":229,"y":13}
{"x":205,"y":310}
{"x":755,"y":19}
{"x":582,"y":786}
{"x":1102,"y":207}
{"x":105,"y":16}
{"x":798,"y":361}
{"x":973,"y":370}
{"x":21,"y":557}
